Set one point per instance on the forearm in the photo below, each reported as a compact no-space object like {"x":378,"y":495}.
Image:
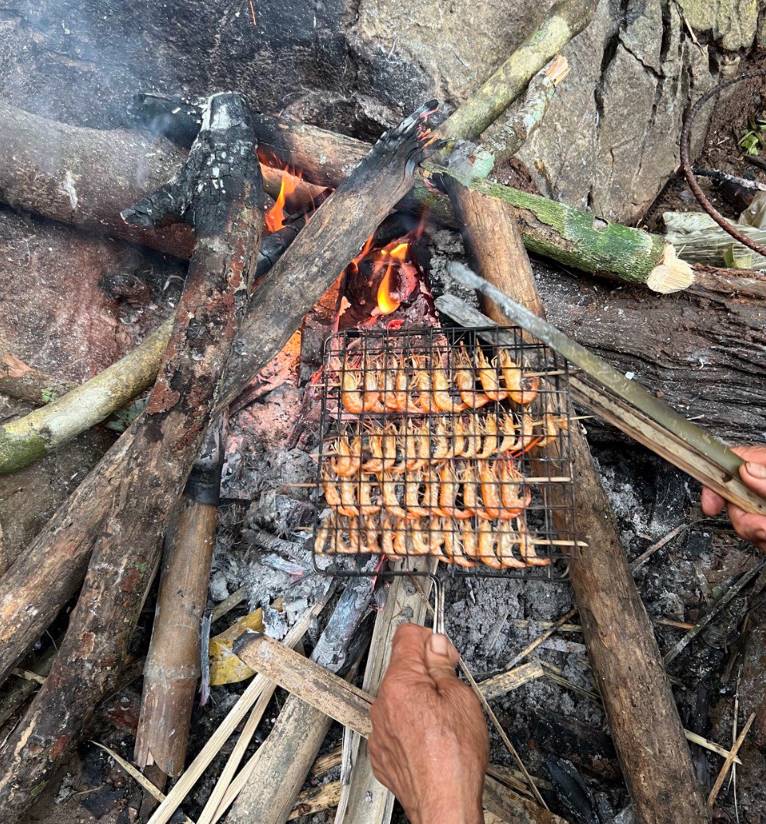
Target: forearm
{"x":450,"y":807}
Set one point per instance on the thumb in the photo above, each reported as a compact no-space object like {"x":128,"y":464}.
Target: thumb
{"x":441,"y":658}
{"x":754,"y":476}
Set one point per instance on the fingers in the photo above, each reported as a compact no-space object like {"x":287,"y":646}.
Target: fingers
{"x":441,"y":658}
{"x":408,"y":652}
{"x":757,"y":454}
{"x":712,"y":503}
{"x":753,"y":475}
{"x":749,"y":527}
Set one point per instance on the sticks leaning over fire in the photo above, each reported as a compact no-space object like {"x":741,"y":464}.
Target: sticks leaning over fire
{"x":120,"y":510}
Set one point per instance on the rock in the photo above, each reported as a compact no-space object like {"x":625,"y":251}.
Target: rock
{"x":732,"y":23}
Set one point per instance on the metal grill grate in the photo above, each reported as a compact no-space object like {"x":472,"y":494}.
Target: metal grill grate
{"x":445,"y":442}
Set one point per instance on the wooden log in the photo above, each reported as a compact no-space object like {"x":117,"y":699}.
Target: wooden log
{"x":86,"y":177}
{"x":286,"y":756}
{"x":25,"y":440}
{"x":123,"y":520}
{"x":172,"y":667}
{"x":699,"y":239}
{"x":350,"y":706}
{"x":627,"y":665}
{"x":26,"y":383}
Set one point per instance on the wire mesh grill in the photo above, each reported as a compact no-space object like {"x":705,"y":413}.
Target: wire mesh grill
{"x":451,"y":443}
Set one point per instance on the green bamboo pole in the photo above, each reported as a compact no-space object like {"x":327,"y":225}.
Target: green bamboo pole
{"x":25,"y":440}
{"x":575,"y":238}
{"x":565,"y":20}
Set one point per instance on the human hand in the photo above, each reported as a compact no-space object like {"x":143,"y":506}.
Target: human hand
{"x":429,"y":742}
{"x":753,"y":474}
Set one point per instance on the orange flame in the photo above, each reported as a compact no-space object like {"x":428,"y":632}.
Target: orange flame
{"x":274,"y":218}
{"x":390,"y":256}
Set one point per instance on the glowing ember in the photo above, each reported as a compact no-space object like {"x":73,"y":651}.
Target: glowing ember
{"x":274,"y":218}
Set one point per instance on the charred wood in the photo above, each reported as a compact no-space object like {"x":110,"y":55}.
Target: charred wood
{"x":119,"y":512}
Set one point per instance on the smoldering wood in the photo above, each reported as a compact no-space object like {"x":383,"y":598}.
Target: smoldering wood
{"x":330,"y":241}
{"x":626,"y":661}
{"x":286,"y":756}
{"x":172,"y":667}
{"x":122,"y":519}
{"x":350,"y":706}
{"x":94,"y":174}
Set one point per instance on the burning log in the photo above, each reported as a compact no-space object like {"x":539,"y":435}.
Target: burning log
{"x":643,"y":717}
{"x":120,"y":509}
{"x":173,"y":663}
{"x":94,"y":174}
{"x":286,"y":756}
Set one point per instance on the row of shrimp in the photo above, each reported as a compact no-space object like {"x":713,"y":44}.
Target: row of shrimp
{"x":414,"y":444}
{"x":415,"y":384}
{"x":501,"y":545}
{"x":488,"y":490}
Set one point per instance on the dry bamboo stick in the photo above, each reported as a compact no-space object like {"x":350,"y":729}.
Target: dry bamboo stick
{"x":727,"y":764}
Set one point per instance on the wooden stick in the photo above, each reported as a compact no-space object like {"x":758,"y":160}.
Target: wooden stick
{"x":643,"y":717}
{"x":22,"y":381}
{"x":25,"y":440}
{"x":727,"y":764}
{"x":510,"y":679}
{"x":123,"y":520}
{"x":316,"y":799}
{"x":286,"y":756}
{"x":172,"y":666}
{"x":245,"y":702}
{"x":564,"y":21}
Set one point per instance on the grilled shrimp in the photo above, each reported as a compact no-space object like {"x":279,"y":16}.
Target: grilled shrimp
{"x":400,"y":538}
{"x":453,"y":548}
{"x":488,"y":377}
{"x":322,"y":536}
{"x":412,"y":496}
{"x":490,"y":443}
{"x":371,"y":543}
{"x":442,"y":393}
{"x":351,"y":395}
{"x":522,"y":389}
{"x":527,"y":438}
{"x":458,"y":438}
{"x":447,"y":494}
{"x":390,"y":498}
{"x":387,"y":532}
{"x":331,"y":491}
{"x":347,"y":456}
{"x":472,"y":437}
{"x":506,"y":539}
{"x":490,"y":494}
{"x":527,"y":547}
{"x":514,"y":501}
{"x":417,"y":446}
{"x":465,"y":381}
{"x":348,"y":498}
{"x":366,"y":505}
{"x":375,"y":463}
{"x":371,"y":399}
{"x":431,"y":493}
{"x":419,"y":539}
{"x":422,"y":383}
{"x":486,"y":546}
{"x":390,"y":447}
{"x":470,"y":496}
{"x":442,"y":446}
{"x":470,"y":540}
{"x":510,"y":435}
{"x":354,"y":539}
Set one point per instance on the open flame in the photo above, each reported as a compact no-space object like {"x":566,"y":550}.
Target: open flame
{"x":274,"y":219}
{"x":393,"y":256}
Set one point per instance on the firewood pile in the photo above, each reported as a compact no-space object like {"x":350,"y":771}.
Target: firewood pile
{"x":292,"y":440}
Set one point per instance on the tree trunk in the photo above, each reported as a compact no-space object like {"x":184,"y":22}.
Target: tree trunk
{"x":627,"y":665}
{"x":121,"y":509}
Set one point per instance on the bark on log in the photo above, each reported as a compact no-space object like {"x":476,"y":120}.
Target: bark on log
{"x":285,"y":757}
{"x":172,"y":666}
{"x":123,"y":520}
{"x":23,"y":382}
{"x":627,"y":665}
{"x":86,"y":177}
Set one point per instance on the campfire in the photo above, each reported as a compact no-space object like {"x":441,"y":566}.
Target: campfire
{"x":319,"y":410}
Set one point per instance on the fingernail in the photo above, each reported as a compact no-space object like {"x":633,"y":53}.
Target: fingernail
{"x":757,"y":470}
{"x":439,"y":644}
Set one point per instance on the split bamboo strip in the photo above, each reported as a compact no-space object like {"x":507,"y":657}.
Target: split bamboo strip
{"x":727,"y":764}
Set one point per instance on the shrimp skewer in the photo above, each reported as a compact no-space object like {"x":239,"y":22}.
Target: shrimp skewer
{"x":486,"y":546}
{"x":489,"y":378}
{"x":522,"y":389}
{"x":490,"y":494}
{"x":466,"y":381}
{"x":527,"y":547}
{"x":506,"y":538}
{"x":514,"y":502}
